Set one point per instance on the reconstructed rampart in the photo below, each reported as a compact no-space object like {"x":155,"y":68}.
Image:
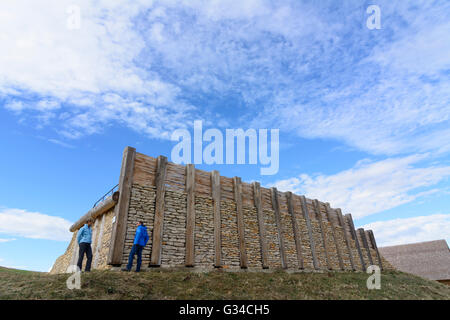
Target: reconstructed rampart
{"x":201,"y":219}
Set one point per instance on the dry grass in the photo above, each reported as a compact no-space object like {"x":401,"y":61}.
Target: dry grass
{"x":164,"y":284}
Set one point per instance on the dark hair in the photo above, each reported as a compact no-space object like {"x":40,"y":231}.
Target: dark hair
{"x":141,"y":223}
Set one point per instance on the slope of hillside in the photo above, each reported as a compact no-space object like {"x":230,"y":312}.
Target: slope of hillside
{"x":163,"y":284}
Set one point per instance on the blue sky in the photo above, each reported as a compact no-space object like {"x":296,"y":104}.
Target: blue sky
{"x":364,"y":115}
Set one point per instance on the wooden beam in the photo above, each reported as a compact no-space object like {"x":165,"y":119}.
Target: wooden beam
{"x":190,"y":215}
{"x":362,"y":235}
{"x":99,"y":242}
{"x":97,"y":211}
{"x":94,"y":237}
{"x":119,"y":228}
{"x":370,"y":244}
{"x":237,"y":186}
{"x":297,"y":237}
{"x":374,"y":243}
{"x":322,"y":231}
{"x":74,"y":259}
{"x":333,"y":231}
{"x":347,"y":240}
{"x":261,"y":223}
{"x":349,"y":218}
{"x":158,"y":225}
{"x":215,"y":191}
{"x":308,"y":225}
{"x":276,"y":209}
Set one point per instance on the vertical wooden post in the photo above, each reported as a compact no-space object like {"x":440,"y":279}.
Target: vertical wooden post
{"x":349,"y":218}
{"x":158,"y":225}
{"x":316,"y":205}
{"x":215,"y":190}
{"x":370,"y":244}
{"x":347,"y":240}
{"x":190,"y":215}
{"x":372,"y":239}
{"x":308,"y":225}
{"x":75,"y":253}
{"x":362,"y":235}
{"x":240,"y":221}
{"x":121,"y":210}
{"x":297,"y":237}
{"x":94,"y":229}
{"x":333,"y":230}
{"x":261,"y":225}
{"x":99,"y":242}
{"x":276,"y":209}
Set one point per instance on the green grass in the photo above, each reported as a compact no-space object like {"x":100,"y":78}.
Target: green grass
{"x":165,"y":284}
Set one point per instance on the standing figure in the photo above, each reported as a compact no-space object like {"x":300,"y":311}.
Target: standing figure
{"x":84,"y":239}
{"x":140,"y":241}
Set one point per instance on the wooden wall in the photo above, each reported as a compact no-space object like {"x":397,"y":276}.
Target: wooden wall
{"x":246,"y":225}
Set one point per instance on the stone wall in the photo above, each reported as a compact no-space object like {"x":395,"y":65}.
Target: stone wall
{"x":253,"y":246}
{"x":174,"y":234}
{"x":290,"y":249}
{"x":204,"y":232}
{"x":230,"y":240}
{"x":138,"y":193}
{"x":272,"y":240}
{"x":62,"y":263}
{"x":101,"y":238}
{"x":142,"y":208}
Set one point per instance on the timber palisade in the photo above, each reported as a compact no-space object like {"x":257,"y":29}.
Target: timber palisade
{"x":201,"y":219}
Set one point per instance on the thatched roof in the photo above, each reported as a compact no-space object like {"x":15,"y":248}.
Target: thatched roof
{"x":429,"y":259}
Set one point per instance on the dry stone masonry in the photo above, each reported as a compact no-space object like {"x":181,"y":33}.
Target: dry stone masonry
{"x":252,"y":227}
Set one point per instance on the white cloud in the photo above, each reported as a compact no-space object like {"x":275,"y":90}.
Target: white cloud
{"x":50,"y":72}
{"x":6,"y":240}
{"x":390,"y":95}
{"x":371,"y":187}
{"x":411,"y":230}
{"x":310,"y":69}
{"x":34,"y":225}
{"x":60,"y":143}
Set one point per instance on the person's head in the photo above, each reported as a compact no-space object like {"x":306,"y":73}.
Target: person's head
{"x":90,"y":222}
{"x":140,"y":223}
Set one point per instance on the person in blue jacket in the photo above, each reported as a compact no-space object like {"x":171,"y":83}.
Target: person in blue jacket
{"x":140,"y":241}
{"x":84,"y":239}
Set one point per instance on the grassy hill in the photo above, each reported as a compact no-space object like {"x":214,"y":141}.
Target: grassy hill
{"x":164,"y":284}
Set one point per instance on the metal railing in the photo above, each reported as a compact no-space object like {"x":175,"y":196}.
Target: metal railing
{"x":110,"y":192}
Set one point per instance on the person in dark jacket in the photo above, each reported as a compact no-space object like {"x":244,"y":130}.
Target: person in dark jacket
{"x":84,"y":239}
{"x":140,"y":241}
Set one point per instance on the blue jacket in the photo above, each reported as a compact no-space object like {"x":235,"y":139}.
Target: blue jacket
{"x":141,"y":237}
{"x":84,"y":234}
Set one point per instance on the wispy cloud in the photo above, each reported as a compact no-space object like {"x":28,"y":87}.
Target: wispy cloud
{"x":411,"y":230}
{"x":61,"y":143}
{"x":82,"y":80}
{"x":371,"y":187}
{"x":34,"y":225}
{"x":313,"y":70}
{"x":6,"y":240}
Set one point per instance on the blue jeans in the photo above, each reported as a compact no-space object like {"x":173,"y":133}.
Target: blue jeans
{"x":136,"y":249}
